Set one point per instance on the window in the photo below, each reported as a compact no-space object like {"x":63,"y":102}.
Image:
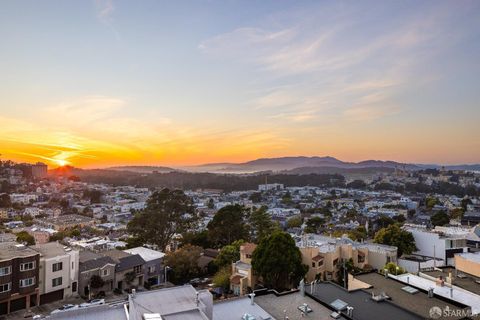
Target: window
{"x":313,"y":264}
{"x":151,"y":269}
{"x":5,"y":270}
{"x":335,"y":262}
{"x":105,"y":273}
{"x":57,"y":266}
{"x":27,"y":282}
{"x":137,"y":269}
{"x":5,"y":287}
{"x":74,"y":287}
{"x":27,"y":266}
{"x":57,"y":282}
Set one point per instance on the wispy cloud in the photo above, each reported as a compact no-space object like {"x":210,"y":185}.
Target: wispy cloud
{"x":104,"y":11}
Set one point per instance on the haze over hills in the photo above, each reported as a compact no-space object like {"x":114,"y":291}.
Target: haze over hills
{"x":142,"y":169}
{"x":306,"y":165}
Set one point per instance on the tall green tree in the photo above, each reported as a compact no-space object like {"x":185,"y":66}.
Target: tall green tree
{"x":167,"y":212}
{"x":393,"y":235}
{"x":261,"y":224}
{"x":279,"y":261}
{"x":184,"y":263}
{"x":227,"y":226}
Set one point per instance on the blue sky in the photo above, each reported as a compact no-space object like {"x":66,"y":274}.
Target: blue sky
{"x":98,"y":83}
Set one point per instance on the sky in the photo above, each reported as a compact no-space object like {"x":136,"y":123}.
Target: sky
{"x":107,"y":82}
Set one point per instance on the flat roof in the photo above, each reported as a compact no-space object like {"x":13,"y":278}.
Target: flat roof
{"x":456,"y":294}
{"x":467,"y":281}
{"x":236,"y":308}
{"x":11,"y":250}
{"x":290,"y":302}
{"x":102,"y":312}
{"x":364,"y":308}
{"x":50,"y":249}
{"x":418,"y":302}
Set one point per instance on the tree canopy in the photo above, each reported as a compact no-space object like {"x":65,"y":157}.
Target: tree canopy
{"x":229,"y":253}
{"x":261,"y":224}
{"x":227,"y":226}
{"x":167,"y":212}
{"x":25,"y":237}
{"x":184,"y":263}
{"x":279,"y":261}
{"x":440,"y":218}
{"x":393,"y":235}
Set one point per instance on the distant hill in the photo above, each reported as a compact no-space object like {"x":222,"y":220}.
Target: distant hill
{"x":291,"y":163}
{"x":142,"y":169}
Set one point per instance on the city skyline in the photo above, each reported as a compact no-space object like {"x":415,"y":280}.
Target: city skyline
{"x":103,"y":83}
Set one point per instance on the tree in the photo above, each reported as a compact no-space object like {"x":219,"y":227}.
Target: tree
{"x":358,"y":234}
{"x":5,"y":201}
{"x":393,"y":235}
{"x":357,"y":184}
{"x":197,"y":239}
{"x":279,"y":261}
{"x":129,"y":277}
{"x":392,"y":268}
{"x":430,"y":202}
{"x":184,"y":263}
{"x":228,"y":254}
{"x":314,"y":224}
{"x":25,"y":237}
{"x":167,"y":212}
{"x":228,"y":225}
{"x":96,"y":282}
{"x":256,"y":197}
{"x":384,"y":221}
{"x":440,"y":218}
{"x":294,"y":222}
{"x":457,"y":213}
{"x":222,"y":278}
{"x":261,"y":224}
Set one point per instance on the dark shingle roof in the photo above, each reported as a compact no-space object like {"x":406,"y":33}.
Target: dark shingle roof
{"x":95,"y":263}
{"x":129,"y":262}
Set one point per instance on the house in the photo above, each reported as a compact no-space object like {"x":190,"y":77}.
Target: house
{"x":91,"y":264}
{"x":129,"y":269}
{"x":182,"y":302}
{"x":19,"y":277}
{"x":243,"y":279}
{"x":153,"y":268}
{"x":58,"y":272}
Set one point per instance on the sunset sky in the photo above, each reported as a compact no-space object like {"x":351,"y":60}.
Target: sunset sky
{"x":101,"y":83}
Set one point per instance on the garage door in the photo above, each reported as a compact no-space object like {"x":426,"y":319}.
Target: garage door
{"x":51,"y":296}
{"x":18,"y":304}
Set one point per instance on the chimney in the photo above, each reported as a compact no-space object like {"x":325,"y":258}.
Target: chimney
{"x":252,"y":298}
{"x":133,"y":292}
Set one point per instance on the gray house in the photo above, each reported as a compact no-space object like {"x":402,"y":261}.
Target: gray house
{"x":95,"y":264}
{"x":129,"y":269}
{"x":154,"y":267}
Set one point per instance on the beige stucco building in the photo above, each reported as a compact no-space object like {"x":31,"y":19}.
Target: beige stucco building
{"x":243,"y":279}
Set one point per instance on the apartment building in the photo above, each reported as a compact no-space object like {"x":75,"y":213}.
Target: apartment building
{"x":325,"y":255}
{"x":19,"y":274}
{"x":439,"y":243}
{"x":243,"y":279}
{"x":129,"y":269}
{"x":58,"y":272}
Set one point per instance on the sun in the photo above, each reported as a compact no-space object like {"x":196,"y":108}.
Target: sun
{"x":61,"y":162}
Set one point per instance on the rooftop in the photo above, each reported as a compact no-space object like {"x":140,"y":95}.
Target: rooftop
{"x":418,"y":303}
{"x":146,"y":253}
{"x":364,"y":308}
{"x":236,"y":308}
{"x":290,"y":302}
{"x":51,"y":249}
{"x":11,"y":250}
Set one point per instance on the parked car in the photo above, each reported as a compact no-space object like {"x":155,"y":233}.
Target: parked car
{"x":65,"y":307}
{"x":93,"y":302}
